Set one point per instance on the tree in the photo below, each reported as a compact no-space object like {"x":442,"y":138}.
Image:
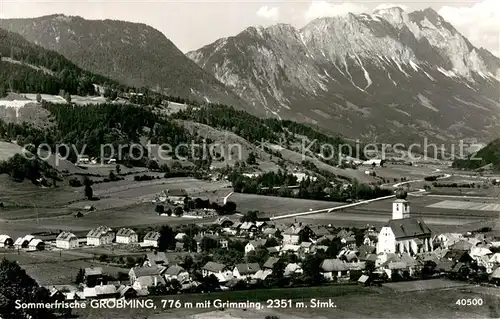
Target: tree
{"x":312,"y":269}
{"x":259,"y":256}
{"x":152,"y":165}
{"x":67,"y":97}
{"x":112,"y":177}
{"x":159,"y":209}
{"x":17,"y":287}
{"x":210,"y":283}
{"x":178,"y":211}
{"x":208,"y":244}
{"x":187,"y":263}
{"x":167,"y":238}
{"x":189,"y":244}
{"x":251,"y":159}
{"x":80,"y":276}
{"x":89,"y":193}
{"x":38,"y":98}
{"x":370,"y":266}
{"x":250,"y":216}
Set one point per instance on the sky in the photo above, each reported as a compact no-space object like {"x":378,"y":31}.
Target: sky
{"x":192,"y":24}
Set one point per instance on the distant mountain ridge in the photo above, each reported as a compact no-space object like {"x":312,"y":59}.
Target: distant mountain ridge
{"x":131,"y":53}
{"x":391,"y":75}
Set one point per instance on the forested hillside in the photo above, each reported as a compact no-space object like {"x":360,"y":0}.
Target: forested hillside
{"x":490,"y":154}
{"x":27,"y":67}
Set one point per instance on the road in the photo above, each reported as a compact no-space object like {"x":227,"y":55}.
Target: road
{"x":333,"y":209}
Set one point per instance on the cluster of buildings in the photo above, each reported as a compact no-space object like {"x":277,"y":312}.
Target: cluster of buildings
{"x":28,"y":242}
{"x":403,"y":249}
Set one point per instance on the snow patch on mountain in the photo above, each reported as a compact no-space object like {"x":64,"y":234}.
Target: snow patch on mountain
{"x":447,"y":73}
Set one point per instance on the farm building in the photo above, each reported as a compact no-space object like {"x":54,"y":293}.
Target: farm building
{"x":93,"y":276}
{"x":6,"y":241}
{"x":404,"y":233}
{"x":23,"y":242}
{"x":126,"y":236}
{"x":36,"y":244}
{"x":374,"y":162}
{"x":175,"y":196}
{"x":151,"y":239}
{"x":101,"y":235}
{"x":66,"y":240}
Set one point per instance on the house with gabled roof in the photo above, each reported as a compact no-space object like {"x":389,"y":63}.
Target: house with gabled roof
{"x":23,"y":242}
{"x":158,"y":258}
{"x":224,"y":222}
{"x":176,"y":272}
{"x":333,"y":268}
{"x":269,"y":264}
{"x":100,"y":292}
{"x":151,"y":239}
{"x":36,"y":244}
{"x":126,"y":236}
{"x":66,"y":240}
{"x":93,"y":276}
{"x":245,"y":271}
{"x":6,"y":241}
{"x":99,"y":236}
{"x":254,"y":245}
{"x":295,"y":234}
{"x":248,"y":227}
{"x":221,"y":271}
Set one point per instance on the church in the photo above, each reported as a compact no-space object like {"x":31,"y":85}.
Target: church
{"x":404,"y":233}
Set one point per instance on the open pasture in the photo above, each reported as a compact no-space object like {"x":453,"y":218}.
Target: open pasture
{"x":297,"y":158}
{"x":50,"y":269}
{"x":467,"y":205}
{"x":7,"y":150}
{"x":277,"y":205}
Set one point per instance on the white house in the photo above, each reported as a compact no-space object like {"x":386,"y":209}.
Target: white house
{"x":6,"y":241}
{"x":404,"y":233}
{"x":177,"y":273}
{"x":294,"y":234}
{"x":151,"y":239}
{"x":67,"y":240}
{"x":99,"y":236}
{"x":446,"y":240}
{"x":245,"y":271}
{"x":143,"y":282}
{"x":126,"y":236}
{"x":221,"y":271}
{"x":254,"y":245}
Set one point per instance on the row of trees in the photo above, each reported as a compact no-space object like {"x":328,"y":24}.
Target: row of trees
{"x":277,"y":183}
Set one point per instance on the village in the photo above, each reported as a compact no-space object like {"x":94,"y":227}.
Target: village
{"x":246,"y":252}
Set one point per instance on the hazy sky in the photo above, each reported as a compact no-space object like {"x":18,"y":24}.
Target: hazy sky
{"x":192,"y":24}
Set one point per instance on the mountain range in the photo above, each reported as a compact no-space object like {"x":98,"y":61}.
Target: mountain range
{"x":390,"y":75}
{"x":387,"y":76}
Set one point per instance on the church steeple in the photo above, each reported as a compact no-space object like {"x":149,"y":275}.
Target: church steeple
{"x":401,"y":207}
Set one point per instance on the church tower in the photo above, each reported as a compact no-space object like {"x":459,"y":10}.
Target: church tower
{"x":401,"y":207}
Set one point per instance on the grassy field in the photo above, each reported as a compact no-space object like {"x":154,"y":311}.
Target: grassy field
{"x":50,"y":268}
{"x":277,"y":205}
{"x":7,"y":150}
{"x":349,"y":301}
